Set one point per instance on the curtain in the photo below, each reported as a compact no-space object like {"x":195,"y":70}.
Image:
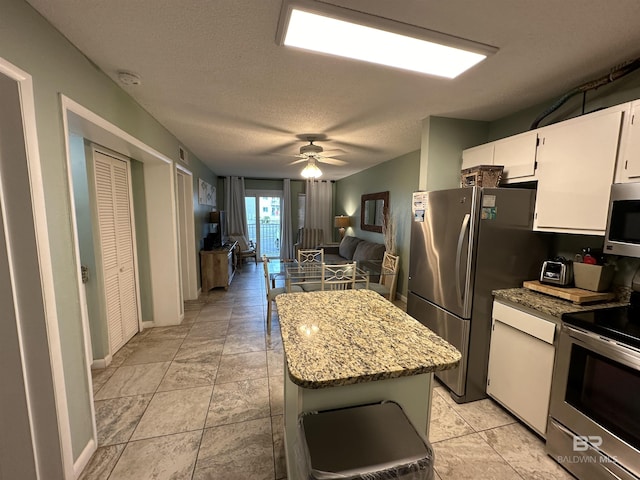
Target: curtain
{"x":286,"y":235}
{"x":234,"y":203}
{"x":319,"y":202}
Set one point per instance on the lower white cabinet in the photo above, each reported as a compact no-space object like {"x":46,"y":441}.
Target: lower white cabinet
{"x":521,"y":364}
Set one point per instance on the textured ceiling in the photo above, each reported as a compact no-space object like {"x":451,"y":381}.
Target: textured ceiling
{"x":213,"y":75}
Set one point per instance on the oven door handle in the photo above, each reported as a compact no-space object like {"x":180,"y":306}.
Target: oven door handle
{"x":609,"y":348}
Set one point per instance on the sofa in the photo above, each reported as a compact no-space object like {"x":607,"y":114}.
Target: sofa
{"x":353,"y":249}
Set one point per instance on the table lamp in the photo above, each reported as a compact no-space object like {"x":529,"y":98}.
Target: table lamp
{"x":342,"y":222}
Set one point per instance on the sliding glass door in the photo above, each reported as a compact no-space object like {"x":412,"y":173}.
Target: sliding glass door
{"x":263,"y":220}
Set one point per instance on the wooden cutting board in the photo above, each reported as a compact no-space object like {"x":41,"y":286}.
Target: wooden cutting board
{"x":575,"y":295}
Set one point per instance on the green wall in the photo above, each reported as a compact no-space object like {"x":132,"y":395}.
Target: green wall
{"x":398,"y":176}
{"x":56,"y":66}
{"x":443,"y":140}
{"x":624,"y":90}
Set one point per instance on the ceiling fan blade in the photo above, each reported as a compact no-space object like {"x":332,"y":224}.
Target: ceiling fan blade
{"x":331,"y":161}
{"x":298,"y":161}
{"x":333,"y":153}
{"x":289,"y":155}
{"x":361,"y":147}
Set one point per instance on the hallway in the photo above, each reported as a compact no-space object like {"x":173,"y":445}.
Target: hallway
{"x":202,"y":400}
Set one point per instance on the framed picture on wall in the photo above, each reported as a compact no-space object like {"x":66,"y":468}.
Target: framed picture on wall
{"x":206,"y":193}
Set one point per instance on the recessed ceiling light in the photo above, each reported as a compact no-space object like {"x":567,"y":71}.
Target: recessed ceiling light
{"x":334,"y":30}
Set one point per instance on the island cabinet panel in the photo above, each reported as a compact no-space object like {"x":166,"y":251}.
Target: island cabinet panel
{"x":576,"y":162}
{"x":628,"y":169}
{"x":521,"y":356}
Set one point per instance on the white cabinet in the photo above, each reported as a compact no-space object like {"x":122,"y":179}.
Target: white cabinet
{"x":521,"y":359}
{"x":628,"y":167}
{"x":480,"y":155}
{"x":517,"y":154}
{"x":576,"y":161}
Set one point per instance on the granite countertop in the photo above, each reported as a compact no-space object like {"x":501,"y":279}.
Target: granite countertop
{"x":355,"y":336}
{"x":555,"y":306}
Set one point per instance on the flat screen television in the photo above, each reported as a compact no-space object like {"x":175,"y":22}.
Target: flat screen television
{"x":218,"y":234}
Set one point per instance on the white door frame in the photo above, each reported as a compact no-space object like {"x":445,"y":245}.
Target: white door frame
{"x":187,"y":234}
{"x":43,"y":253}
{"x":160,"y":201}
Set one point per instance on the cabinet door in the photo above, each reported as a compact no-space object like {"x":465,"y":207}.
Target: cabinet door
{"x":576,"y":161}
{"x":631,"y":159}
{"x":518,"y":156}
{"x":521,"y":364}
{"x":480,"y":155}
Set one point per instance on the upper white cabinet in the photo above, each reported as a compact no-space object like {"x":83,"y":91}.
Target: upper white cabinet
{"x":517,"y":154}
{"x":480,"y":155}
{"x":628,"y":167}
{"x":576,"y":162}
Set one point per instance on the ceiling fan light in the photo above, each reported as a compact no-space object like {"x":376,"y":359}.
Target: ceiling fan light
{"x":311,"y":170}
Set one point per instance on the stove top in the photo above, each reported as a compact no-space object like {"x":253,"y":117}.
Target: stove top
{"x":621,"y":324}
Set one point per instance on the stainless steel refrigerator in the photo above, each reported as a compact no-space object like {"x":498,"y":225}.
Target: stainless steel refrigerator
{"x":465,"y":243}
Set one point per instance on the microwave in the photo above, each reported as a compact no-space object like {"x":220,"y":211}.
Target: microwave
{"x":623,"y":222}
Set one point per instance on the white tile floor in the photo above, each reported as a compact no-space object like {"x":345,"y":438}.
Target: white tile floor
{"x":203,"y":400}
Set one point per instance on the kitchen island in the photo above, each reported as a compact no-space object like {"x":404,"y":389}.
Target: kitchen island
{"x":353,"y":347}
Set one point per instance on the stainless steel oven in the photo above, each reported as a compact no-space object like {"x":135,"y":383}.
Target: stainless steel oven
{"x":594,"y":416}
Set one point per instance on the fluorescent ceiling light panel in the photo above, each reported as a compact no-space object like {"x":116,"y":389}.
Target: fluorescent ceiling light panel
{"x":376,"y":39}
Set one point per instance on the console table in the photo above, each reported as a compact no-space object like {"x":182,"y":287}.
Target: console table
{"x":218,"y":266}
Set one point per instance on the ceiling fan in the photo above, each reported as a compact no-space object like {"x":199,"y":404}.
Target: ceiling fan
{"x":317,"y":154}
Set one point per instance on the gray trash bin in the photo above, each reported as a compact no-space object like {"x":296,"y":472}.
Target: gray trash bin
{"x":368,"y":442}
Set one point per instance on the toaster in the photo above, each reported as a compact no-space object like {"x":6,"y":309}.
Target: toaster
{"x":557,"y":272}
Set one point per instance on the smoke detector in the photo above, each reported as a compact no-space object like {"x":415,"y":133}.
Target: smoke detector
{"x":129,"y":78}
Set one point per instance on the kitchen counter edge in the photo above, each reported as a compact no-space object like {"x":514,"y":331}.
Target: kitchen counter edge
{"x":555,"y":307}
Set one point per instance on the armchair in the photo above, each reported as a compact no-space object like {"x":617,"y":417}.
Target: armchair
{"x":246,"y":248}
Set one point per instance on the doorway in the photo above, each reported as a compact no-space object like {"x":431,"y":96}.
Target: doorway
{"x":33,"y":402}
{"x":263,"y":220}
{"x":186,"y":234}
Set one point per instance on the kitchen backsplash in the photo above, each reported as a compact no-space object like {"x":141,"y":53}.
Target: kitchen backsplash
{"x":567,"y":245}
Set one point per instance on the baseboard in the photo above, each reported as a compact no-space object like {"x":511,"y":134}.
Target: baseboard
{"x":84,"y":458}
{"x":403,"y":298}
{"x":101,"y":362}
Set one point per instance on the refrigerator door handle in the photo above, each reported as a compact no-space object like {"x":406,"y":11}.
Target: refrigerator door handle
{"x":463,"y":230}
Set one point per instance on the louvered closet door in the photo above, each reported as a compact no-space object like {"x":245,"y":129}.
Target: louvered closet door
{"x":116,"y":240}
